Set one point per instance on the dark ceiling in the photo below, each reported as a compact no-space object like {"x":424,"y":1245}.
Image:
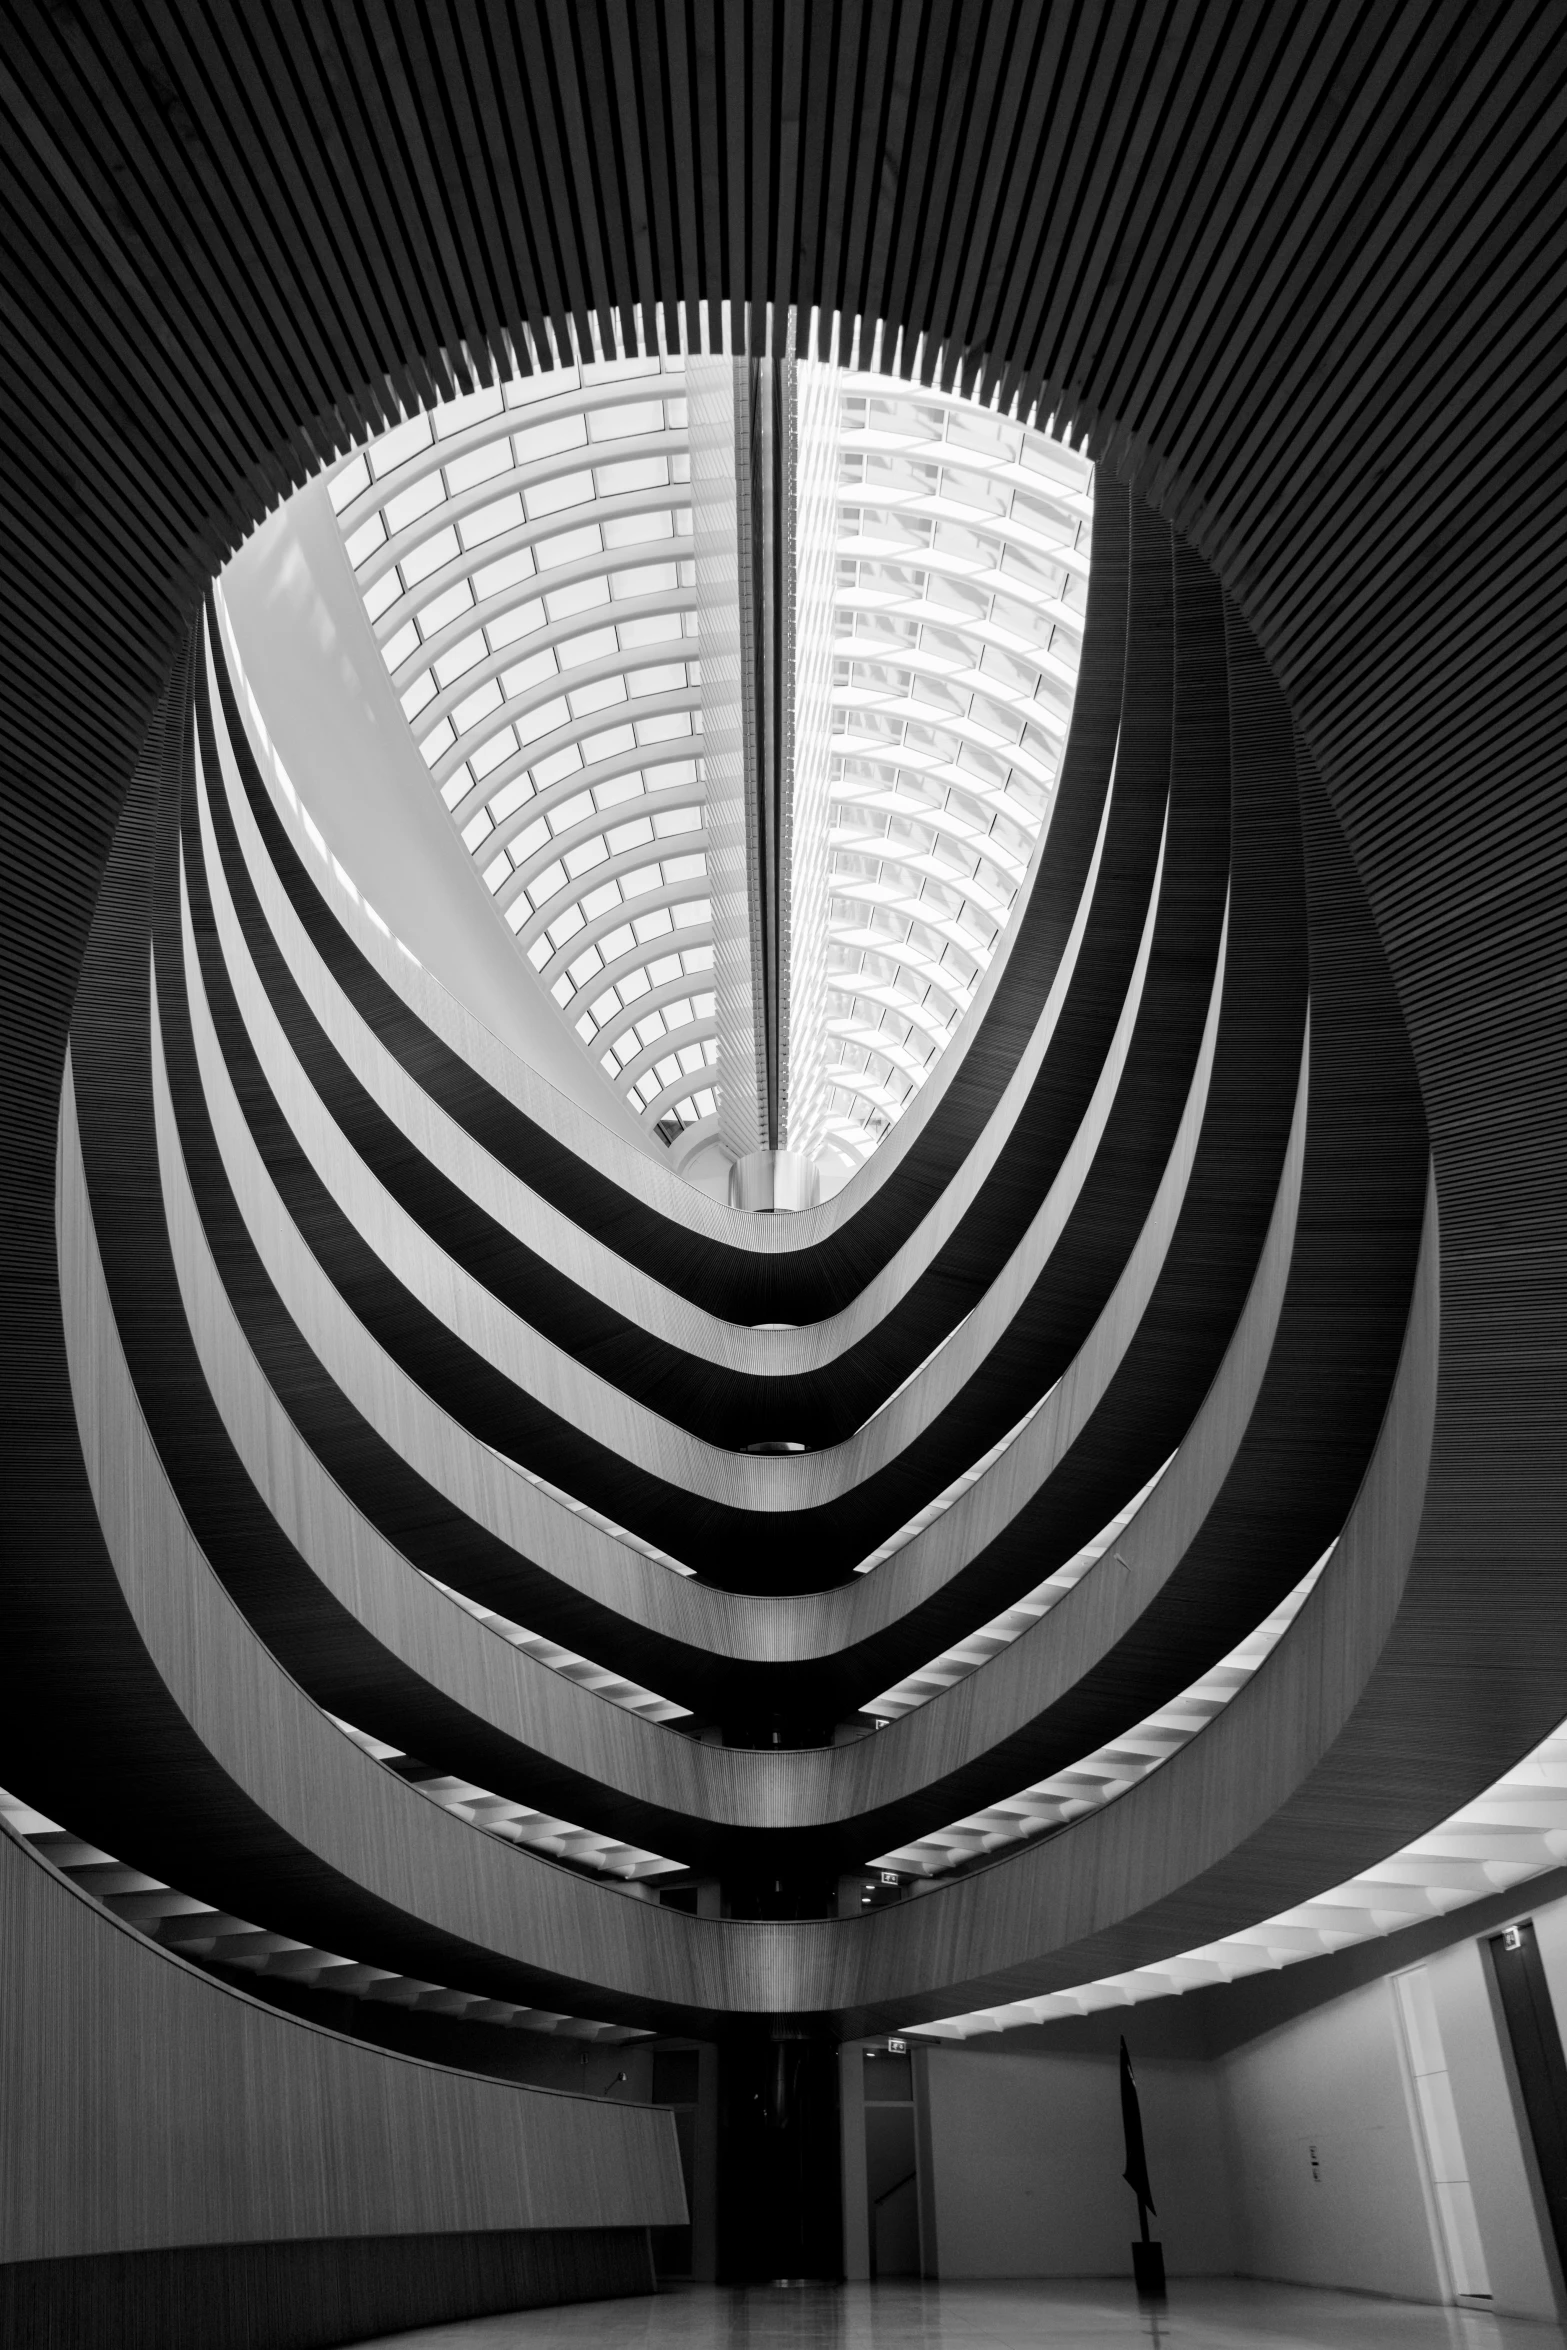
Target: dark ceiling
{"x":1297,"y":272}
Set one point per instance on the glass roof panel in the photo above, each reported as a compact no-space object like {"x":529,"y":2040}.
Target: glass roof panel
{"x":525,"y":555}
{"x":960,"y":546}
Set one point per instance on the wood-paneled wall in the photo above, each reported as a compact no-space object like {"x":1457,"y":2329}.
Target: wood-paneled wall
{"x":148,"y":2105}
{"x":1300,"y":279}
{"x":308,"y":2295}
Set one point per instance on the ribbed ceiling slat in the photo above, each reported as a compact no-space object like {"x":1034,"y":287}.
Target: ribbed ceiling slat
{"x":1298,"y":273}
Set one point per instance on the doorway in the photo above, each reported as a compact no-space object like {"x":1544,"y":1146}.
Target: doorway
{"x":891,"y":2164}
{"x":1532,"y":2030}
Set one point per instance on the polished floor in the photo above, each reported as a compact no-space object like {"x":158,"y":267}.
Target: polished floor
{"x":1206,"y":2314}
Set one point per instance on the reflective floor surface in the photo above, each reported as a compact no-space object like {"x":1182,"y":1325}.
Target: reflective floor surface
{"x":1091,"y":2314}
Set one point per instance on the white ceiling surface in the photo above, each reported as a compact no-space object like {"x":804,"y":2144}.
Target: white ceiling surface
{"x":526,"y":557}
{"x":1515,"y":1831}
{"x":319,"y":698}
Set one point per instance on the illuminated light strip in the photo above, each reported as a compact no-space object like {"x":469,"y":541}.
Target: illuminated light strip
{"x":1513,"y":1832}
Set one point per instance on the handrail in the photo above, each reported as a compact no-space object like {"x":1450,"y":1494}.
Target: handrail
{"x":878,"y":2200}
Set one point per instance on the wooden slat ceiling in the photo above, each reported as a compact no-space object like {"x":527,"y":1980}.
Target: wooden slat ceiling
{"x":1298,"y":276}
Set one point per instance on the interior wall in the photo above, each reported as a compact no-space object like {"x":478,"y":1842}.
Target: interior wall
{"x":1331,"y":2083}
{"x":1327,"y":2173}
{"x":1026,"y":2155}
{"x":1287,"y":2149}
{"x":148,"y":2106}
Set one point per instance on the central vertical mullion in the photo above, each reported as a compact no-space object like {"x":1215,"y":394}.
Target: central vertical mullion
{"x":769,"y":504}
{"x":742,"y":437}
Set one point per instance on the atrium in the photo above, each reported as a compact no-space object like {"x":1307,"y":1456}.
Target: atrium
{"x":784,"y":1346}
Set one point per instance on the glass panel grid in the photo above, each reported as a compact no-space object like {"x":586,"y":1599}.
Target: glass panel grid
{"x":961,"y":553}
{"x":525,"y":560}
{"x":525,"y":556}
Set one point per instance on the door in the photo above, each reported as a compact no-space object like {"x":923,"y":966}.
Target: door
{"x":1542,"y":2069}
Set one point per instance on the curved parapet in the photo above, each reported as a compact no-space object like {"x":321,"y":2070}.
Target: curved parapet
{"x":444,"y":1535}
{"x":447,"y":1465}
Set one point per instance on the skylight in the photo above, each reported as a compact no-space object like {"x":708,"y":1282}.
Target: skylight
{"x":526,"y":560}
{"x":961,"y":546}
